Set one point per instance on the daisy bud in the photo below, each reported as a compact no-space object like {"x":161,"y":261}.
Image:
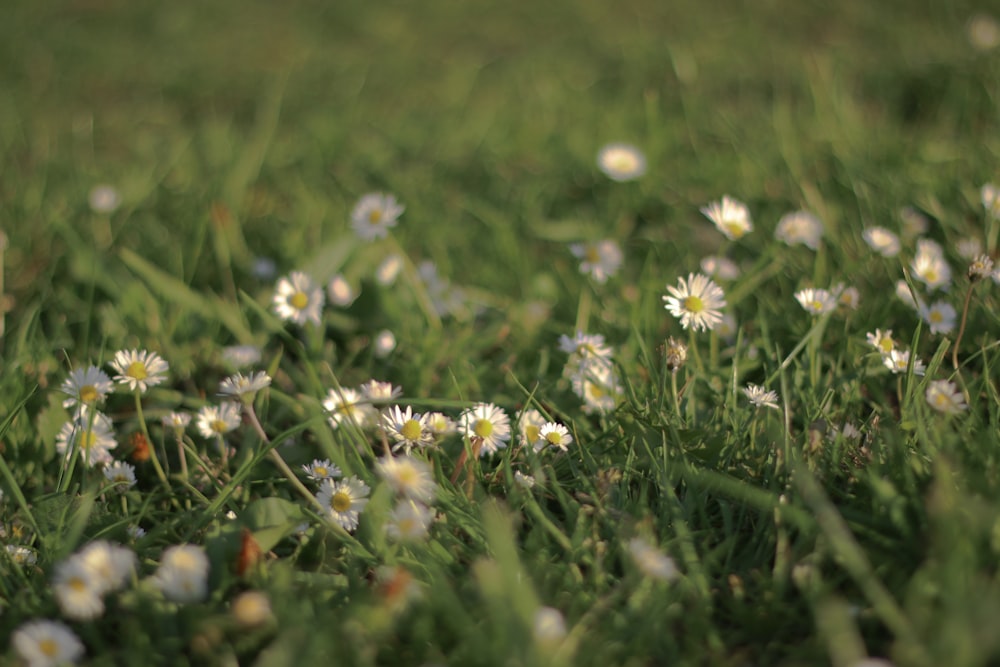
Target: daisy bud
{"x":677,"y":354}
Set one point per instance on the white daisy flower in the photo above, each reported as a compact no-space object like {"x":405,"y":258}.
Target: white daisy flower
{"x":929,"y":265}
{"x":135,"y":532}
{"x":374,"y":214}
{"x":651,"y":561}
{"x":383,"y":344}
{"x":761,"y":397}
{"x":104,"y":199}
{"x":731,"y":216}
{"x":800,"y":227}
{"x":915,"y":223}
{"x":241,"y":356}
{"x":409,"y":521}
{"x":320,"y":470}
{"x":587,"y":353}
{"x":980,"y":267}
{"x":244,"y":387}
{"x":183,"y":573}
{"x":719,"y":268}
{"x":529,"y":426}
{"x":941,"y":317}
{"x":389,"y":270}
{"x":407,"y":428}
{"x":600,"y":392}
{"x":697,"y":302}
{"x":553,"y":434}
{"x":139,"y":369}
{"x":847,"y":297}
{"x":816,"y":301}
{"x":549,"y":626}
{"x":487,"y":424}
{"x":882,"y":241}
{"x":112,"y":564}
{"x":440,"y":424}
{"x":348,"y":405}
{"x":601,"y":259}
{"x":969,"y":248}
{"x":377,"y":392}
{"x":621,"y":162}
{"x":906,"y":296}
{"x":898,"y":361}
{"x":408,"y":477}
{"x":93,"y":434}
{"x":21,"y":555}
{"x":983,"y":33}
{"x":77,"y":591}
{"x":47,"y":644}
{"x":522,"y":480}
{"x":882,"y":341}
{"x":120,"y":475}
{"x":990,"y":196}
{"x":340,"y":291}
{"x":945,"y":397}
{"x":85,"y":387}
{"x":178,"y":421}
{"x":251,"y":609}
{"x":345,"y":499}
{"x":215,"y":421}
{"x":297,"y":299}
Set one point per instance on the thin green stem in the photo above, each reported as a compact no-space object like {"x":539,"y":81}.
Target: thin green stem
{"x":153,"y":456}
{"x":961,"y":327}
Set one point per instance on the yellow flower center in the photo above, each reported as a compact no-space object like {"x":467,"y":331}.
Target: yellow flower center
{"x":407,"y":526}
{"x":531,"y":432}
{"x":78,"y":584}
{"x":816,"y":305}
{"x":941,"y":400}
{"x":554,"y":438}
{"x":49,"y":647}
{"x":219,"y":426}
{"x":374,"y":216}
{"x":735,"y":229}
{"x":592,"y":255}
{"x":88,"y":393}
{"x":341,"y":501}
{"x":87,"y":440}
{"x":694,"y":304}
{"x":411,"y":430}
{"x":596,"y":391}
{"x":623,"y":162}
{"x":299,"y":300}
{"x":931,"y":276}
{"x":321,"y":471}
{"x":137,"y":370}
{"x":885,"y":345}
{"x":483,"y":428}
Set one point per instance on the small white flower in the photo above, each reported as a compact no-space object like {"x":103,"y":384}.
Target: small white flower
{"x":720,"y":268}
{"x":121,"y":475}
{"x":915,"y":223}
{"x":651,"y":561}
{"x":21,"y":555}
{"x":847,"y":297}
{"x":601,"y":259}
{"x":522,"y":480}
{"x":388,"y":270}
{"x":407,"y":428}
{"x":941,"y":317}
{"x":104,"y":199}
{"x":549,"y":626}
{"x":348,"y":405}
{"x":183,"y":573}
{"x":135,"y":532}
{"x":297,"y":299}
{"x":488,"y":425}
{"x":344,"y":499}
{"x":731,"y":216}
{"x":882,"y":341}
{"x":178,"y":421}
{"x":85,"y":387}
{"x":241,"y":356}
{"x":816,"y":301}
{"x":139,"y":369}
{"x":553,"y":434}
{"x":374,"y":214}
{"x":599,"y":390}
{"x":990,"y":196}
{"x":215,"y":421}
{"x":945,"y":397}
{"x":882,"y":241}
{"x":980,"y":267}
{"x":409,"y":521}
{"x":910,"y":298}
{"x":244,"y":387}
{"x":761,"y":397}
{"x":112,"y":564}
{"x":340,"y":292}
{"x":969,"y":248}
{"x":621,"y":162}
{"x":697,"y":302}
{"x":984,"y":33}
{"x":408,"y":477}
{"x":440,"y":424}
{"x":384,"y":344}
{"x":800,"y":227}
{"x":47,"y":644}
{"x":898,"y":361}
{"x":77,"y":591}
{"x":94,"y":436}
{"x":529,"y":427}
{"x":321,"y":470}
{"x":929,"y":266}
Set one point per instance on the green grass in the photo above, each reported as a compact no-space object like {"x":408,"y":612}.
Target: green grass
{"x":240,"y":130}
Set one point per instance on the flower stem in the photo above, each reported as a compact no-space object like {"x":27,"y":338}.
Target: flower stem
{"x":153,"y":456}
{"x":961,"y":327}
{"x":280,"y":462}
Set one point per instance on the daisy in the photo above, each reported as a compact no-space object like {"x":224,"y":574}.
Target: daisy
{"x":760,"y":397}
{"x":945,"y":397}
{"x":374,"y":214}
{"x":882,"y":341}
{"x":522,"y":480}
{"x":407,"y":428}
{"x":930,"y":267}
{"x":340,"y":292}
{"x":697,"y":302}
{"x":21,"y":555}
{"x":553,"y":434}
{"x":898,"y":361}
{"x":651,"y":561}
{"x":847,"y":297}
{"x":388,"y":270}
{"x":940,"y":315}
{"x":409,"y":522}
{"x":731,"y":216}
{"x":46,"y":644}
{"x":981,"y":267}
{"x":439,"y":424}
{"x":586,"y":352}
{"x":882,"y":241}
{"x":907,"y":296}
{"x":183,"y":573}
{"x":139,"y":369}
{"x":251,"y":609}
{"x":915,"y":223}
{"x":104,"y":199}
{"x":800,"y":227}
{"x":178,"y":421}
{"x":380,"y":392}
{"x":488,"y":425}
{"x":621,"y":162}
{"x":321,"y":470}
{"x":241,"y":356}
{"x":214,"y":421}
{"x":244,"y":387}
{"x":990,"y":196}
{"x":721,"y":268}
{"x":816,"y":301}
{"x":347,"y":405}
{"x":135,"y":532}
{"x":599,"y":392}
{"x":549,"y":626}
{"x":408,"y":477}
{"x":969,"y":248}
{"x":676,"y":354}
{"x":345,"y":500}
{"x":601,"y":259}
{"x":983,"y":34}
{"x":298,"y":300}
{"x":94,"y":436}
{"x":121,"y":476}
{"x":383,"y":344}
{"x":86,"y":387}
{"x":529,"y":426}
{"x":77,"y":591}
{"x":112,"y":565}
